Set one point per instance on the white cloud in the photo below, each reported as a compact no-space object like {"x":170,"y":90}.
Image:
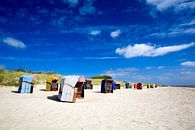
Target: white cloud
{"x":192,"y":22}
{"x":188,"y":63}
{"x":185,"y":5}
{"x":99,"y":58}
{"x":150,"y":68}
{"x":161,"y":4}
{"x":115,"y":33}
{"x":14,"y":42}
{"x":140,"y":50}
{"x":95,"y":32}
{"x":177,"y":5}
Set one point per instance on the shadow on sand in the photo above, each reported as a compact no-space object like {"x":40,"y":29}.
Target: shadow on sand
{"x":42,"y":89}
{"x":14,"y":91}
{"x":96,"y":91}
{"x":54,"y":98}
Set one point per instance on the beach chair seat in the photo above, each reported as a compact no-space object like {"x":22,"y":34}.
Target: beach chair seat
{"x":88,"y":84}
{"x":80,"y":87}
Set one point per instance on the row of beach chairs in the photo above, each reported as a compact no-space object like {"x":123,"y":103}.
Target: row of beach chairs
{"x":72,"y":87}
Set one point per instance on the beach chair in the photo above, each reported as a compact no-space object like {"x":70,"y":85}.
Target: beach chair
{"x":88,"y":84}
{"x":135,"y":86}
{"x":25,"y":84}
{"x":139,"y":86}
{"x":52,"y":84}
{"x":117,"y":85}
{"x":68,"y":91}
{"x":151,"y":86}
{"x":107,"y":86}
{"x":127,"y":85}
{"x":80,"y":87}
{"x":148,"y":86}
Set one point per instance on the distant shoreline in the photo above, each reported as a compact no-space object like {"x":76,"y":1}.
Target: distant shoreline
{"x":186,"y":86}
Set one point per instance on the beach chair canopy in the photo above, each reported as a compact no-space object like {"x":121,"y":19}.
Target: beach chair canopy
{"x":27,"y":78}
{"x":55,"y":78}
{"x":88,"y":80}
{"x":81,"y":79}
{"x":71,"y":80}
{"x":25,"y":84}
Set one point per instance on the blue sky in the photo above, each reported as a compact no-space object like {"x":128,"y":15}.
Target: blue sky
{"x":151,"y":41}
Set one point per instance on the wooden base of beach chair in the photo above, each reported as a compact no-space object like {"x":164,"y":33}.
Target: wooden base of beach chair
{"x":108,"y":91}
{"x":75,"y":95}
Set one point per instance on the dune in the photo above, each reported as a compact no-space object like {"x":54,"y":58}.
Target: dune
{"x":160,"y":109}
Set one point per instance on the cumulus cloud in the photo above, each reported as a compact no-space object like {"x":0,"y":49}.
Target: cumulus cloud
{"x":140,"y":50}
{"x":162,"y":5}
{"x":188,"y":63}
{"x":14,"y":42}
{"x":95,"y":32}
{"x":115,"y":33}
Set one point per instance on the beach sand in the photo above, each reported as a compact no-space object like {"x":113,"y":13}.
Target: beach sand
{"x":159,"y":108}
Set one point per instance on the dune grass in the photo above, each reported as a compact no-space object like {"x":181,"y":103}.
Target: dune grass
{"x":97,"y":81}
{"x":11,"y":78}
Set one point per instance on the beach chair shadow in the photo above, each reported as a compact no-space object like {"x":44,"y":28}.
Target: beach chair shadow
{"x":42,"y":89}
{"x":54,"y":98}
{"x":96,"y":91}
{"x":14,"y":91}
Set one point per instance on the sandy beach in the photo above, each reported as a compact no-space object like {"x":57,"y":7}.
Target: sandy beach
{"x":159,"y":108}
